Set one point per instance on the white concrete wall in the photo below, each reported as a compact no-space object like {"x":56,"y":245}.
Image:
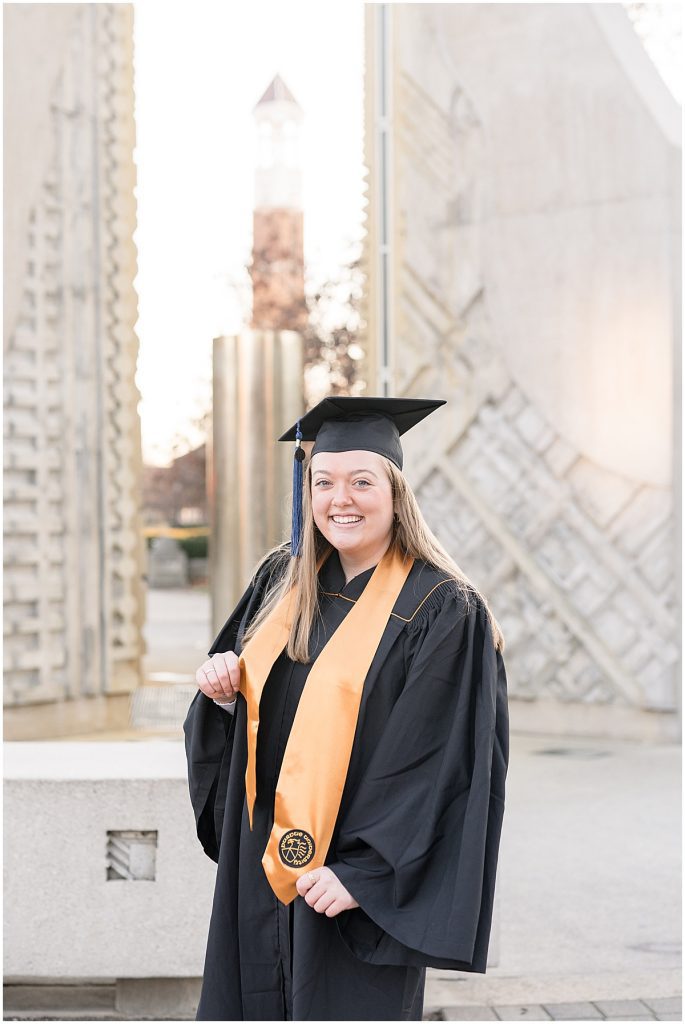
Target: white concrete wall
{"x":534,"y":198}
{"x":578,"y":184}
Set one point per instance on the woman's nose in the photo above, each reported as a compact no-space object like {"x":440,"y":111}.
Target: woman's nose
{"x":340,"y":495}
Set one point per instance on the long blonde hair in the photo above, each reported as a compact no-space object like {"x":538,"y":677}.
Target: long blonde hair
{"x":411,"y":534}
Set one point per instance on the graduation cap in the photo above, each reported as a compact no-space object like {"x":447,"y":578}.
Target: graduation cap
{"x":343,"y":424}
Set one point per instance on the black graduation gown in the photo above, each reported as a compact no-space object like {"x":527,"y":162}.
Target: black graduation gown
{"x":417,"y":835}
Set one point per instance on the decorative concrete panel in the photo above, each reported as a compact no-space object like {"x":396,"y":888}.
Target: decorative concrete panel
{"x":74,"y":600}
{"x":550,"y":475}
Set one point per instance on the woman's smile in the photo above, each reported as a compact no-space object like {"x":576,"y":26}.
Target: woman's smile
{"x":346,"y":522}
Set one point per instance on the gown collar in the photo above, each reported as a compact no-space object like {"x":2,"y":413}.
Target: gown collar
{"x":332,"y":578}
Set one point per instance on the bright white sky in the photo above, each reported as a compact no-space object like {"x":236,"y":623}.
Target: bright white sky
{"x":199,"y":70}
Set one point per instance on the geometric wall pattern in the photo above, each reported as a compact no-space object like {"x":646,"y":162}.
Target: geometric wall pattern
{"x":578,"y":563}
{"x":74,"y":601}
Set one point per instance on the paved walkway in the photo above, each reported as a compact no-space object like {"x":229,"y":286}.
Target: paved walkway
{"x":621,"y":1009}
{"x":607,"y":1009}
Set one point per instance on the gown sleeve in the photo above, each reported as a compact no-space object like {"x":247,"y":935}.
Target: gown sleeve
{"x":228,"y":708}
{"x":418,"y":845}
{"x":209,"y":730}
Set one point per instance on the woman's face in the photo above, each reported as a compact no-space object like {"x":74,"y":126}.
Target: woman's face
{"x":352,"y":501}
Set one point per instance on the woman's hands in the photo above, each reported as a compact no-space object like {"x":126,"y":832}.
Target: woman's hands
{"x":219,"y":678}
{"x":323,"y":891}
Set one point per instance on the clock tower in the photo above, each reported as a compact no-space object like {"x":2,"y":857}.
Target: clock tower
{"x":277,"y":268}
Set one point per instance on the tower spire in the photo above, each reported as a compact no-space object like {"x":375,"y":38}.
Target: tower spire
{"x":277,"y":92}
{"x":278,"y":248}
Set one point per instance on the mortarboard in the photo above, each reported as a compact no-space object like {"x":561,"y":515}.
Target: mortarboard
{"x":343,"y":424}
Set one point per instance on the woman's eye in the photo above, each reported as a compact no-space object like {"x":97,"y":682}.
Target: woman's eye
{"x":367,"y":482}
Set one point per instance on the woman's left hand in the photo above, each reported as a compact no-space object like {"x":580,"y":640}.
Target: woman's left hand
{"x":323,"y":891}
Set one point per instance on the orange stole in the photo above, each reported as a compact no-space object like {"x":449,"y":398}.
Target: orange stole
{"x":317,"y":754}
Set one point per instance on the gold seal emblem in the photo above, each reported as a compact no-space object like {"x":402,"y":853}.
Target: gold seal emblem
{"x":296,"y":848}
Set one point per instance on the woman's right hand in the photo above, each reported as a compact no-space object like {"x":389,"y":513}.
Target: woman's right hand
{"x":219,"y":677}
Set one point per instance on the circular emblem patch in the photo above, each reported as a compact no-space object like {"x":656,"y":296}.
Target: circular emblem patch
{"x":296,"y":848}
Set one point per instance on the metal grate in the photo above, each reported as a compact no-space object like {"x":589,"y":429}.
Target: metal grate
{"x":131,"y":855}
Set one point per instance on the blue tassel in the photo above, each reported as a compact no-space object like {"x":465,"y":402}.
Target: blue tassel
{"x":296,"y":532}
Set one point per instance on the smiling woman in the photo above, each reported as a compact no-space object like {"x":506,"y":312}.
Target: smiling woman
{"x":352,"y":791}
{"x":352,"y":506}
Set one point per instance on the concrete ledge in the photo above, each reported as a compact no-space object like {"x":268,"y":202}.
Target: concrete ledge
{"x":91,"y":998}
{"x":602,"y":721}
{"x":170,"y":998}
{"x":123,"y":999}
{"x":91,"y":759}
{"x":67,"y":718}
{"x":105,"y":878}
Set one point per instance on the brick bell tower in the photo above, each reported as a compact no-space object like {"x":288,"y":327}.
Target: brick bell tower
{"x":277,"y":268}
